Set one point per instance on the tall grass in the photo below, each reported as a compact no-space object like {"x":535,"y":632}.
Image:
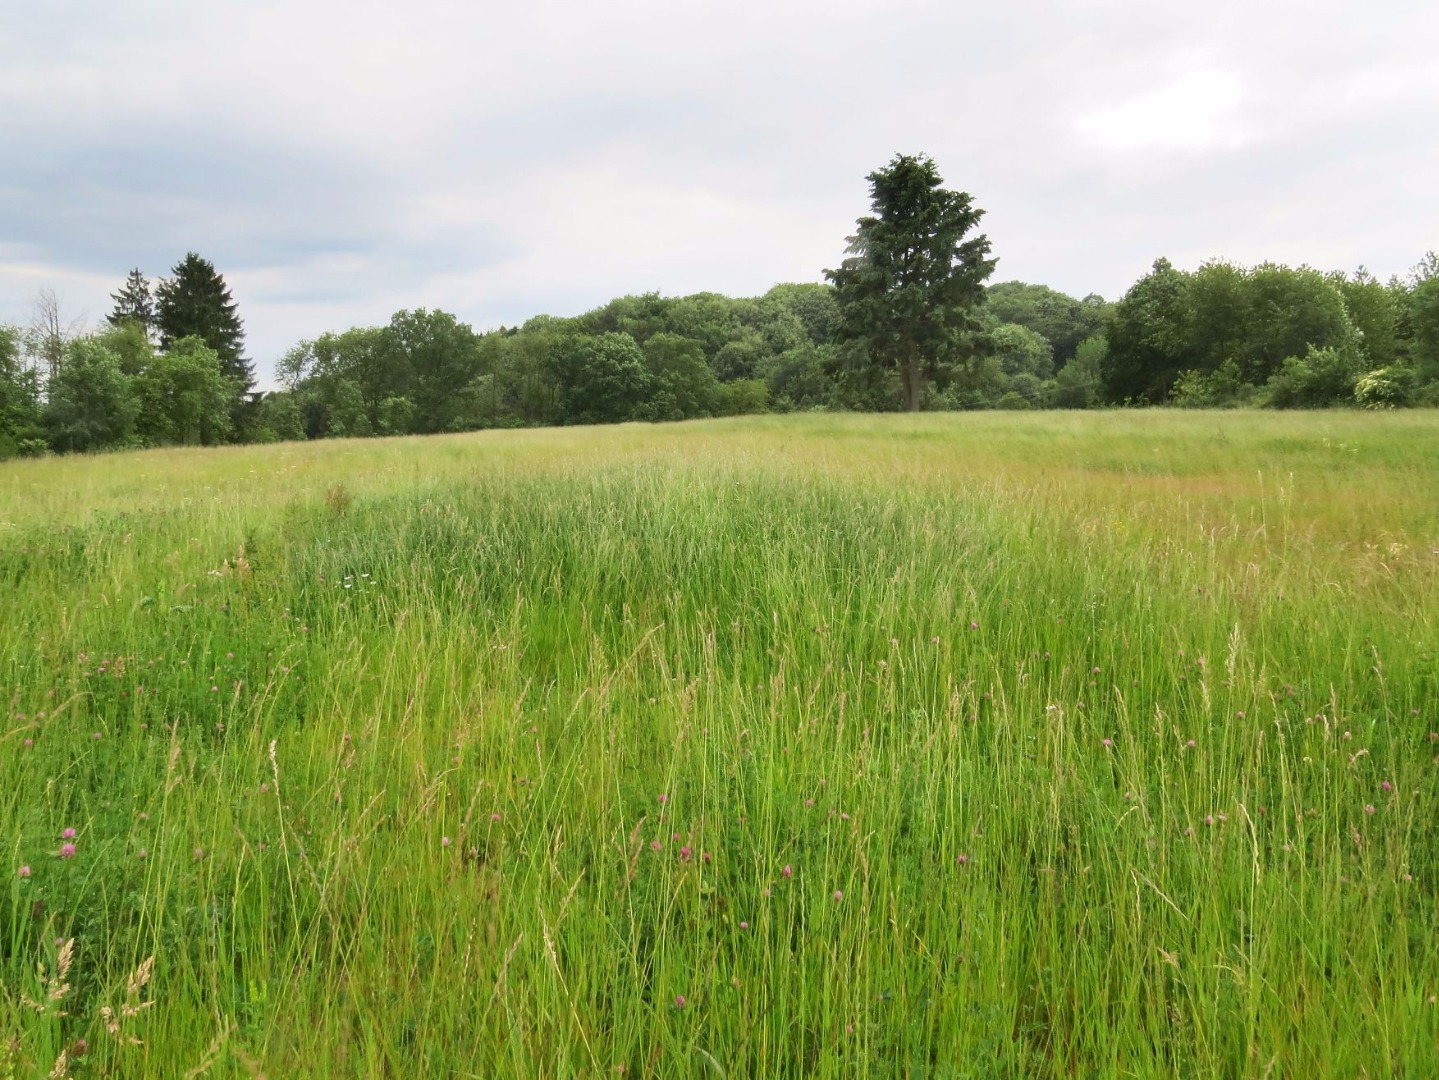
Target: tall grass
{"x":820,"y":746}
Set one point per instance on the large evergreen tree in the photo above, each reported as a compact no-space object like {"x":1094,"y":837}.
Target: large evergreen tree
{"x":195,"y":302}
{"x":133,"y":303}
{"x":912,"y":284}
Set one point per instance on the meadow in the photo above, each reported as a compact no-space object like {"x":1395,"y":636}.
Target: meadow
{"x":986,"y":745}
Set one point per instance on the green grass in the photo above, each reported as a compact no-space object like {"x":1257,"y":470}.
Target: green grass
{"x":487,"y":755}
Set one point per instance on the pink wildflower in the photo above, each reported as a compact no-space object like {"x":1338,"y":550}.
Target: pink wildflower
{"x":788,"y":871}
{"x":67,"y":834}
{"x":67,"y":851}
{"x":24,"y":871}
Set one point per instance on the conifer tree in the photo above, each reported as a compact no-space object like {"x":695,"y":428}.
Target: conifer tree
{"x":195,"y":302}
{"x":133,"y":303}
{"x":913,"y":282}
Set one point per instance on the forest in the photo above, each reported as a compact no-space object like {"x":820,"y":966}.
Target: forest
{"x":168,"y":370}
{"x":906,"y":321}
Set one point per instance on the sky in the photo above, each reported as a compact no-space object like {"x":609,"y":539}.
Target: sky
{"x":338,"y":160}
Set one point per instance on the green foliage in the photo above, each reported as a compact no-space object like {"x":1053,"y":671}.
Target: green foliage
{"x":195,"y":302}
{"x":800,"y":378}
{"x":912,"y":284}
{"x":1322,"y":377}
{"x":425,"y":356}
{"x":1423,"y":319}
{"x":1061,"y":320}
{"x":20,"y":429}
{"x":742,"y":397}
{"x":1224,"y":328}
{"x":134,"y":305}
{"x":131,"y":346}
{"x":813,"y":305}
{"x":1376,"y":310}
{"x":280,"y":418}
{"x":1219,"y":336}
{"x":683,"y":385}
{"x":1385,"y":388}
{"x":183,"y":397}
{"x":345,"y":413}
{"x":1222,"y":388}
{"x":1287,"y":313}
{"x":1078,"y":384}
{"x":90,"y":402}
{"x":602,"y":380}
{"x":1021,"y":351}
{"x":1147,"y":337}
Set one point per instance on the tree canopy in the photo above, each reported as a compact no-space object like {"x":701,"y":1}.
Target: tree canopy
{"x":195,"y":302}
{"x":910,"y":288}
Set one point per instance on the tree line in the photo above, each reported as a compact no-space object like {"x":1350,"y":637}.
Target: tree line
{"x":906,"y":321}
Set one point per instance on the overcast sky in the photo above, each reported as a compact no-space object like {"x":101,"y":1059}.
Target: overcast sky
{"x":341,"y":159}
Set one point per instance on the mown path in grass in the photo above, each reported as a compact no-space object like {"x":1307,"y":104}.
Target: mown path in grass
{"x":801,"y":746}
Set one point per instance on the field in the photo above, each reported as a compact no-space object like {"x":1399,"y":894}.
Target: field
{"x":951,"y":746}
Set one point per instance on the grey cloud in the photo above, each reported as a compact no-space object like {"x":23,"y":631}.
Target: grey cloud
{"x":341,"y":160}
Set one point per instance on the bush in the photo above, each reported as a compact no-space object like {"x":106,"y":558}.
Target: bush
{"x":1322,"y":377}
{"x":1385,"y":388}
{"x":1219,"y":389}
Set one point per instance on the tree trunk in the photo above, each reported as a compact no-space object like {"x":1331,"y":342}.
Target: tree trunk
{"x":913,"y":386}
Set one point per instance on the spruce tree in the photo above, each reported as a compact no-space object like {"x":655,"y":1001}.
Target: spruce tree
{"x":195,"y":302}
{"x":133,"y":303}
{"x":913,"y":282}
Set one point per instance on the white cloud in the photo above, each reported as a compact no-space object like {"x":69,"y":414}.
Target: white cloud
{"x":340,"y":159}
{"x":1198,"y":110}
